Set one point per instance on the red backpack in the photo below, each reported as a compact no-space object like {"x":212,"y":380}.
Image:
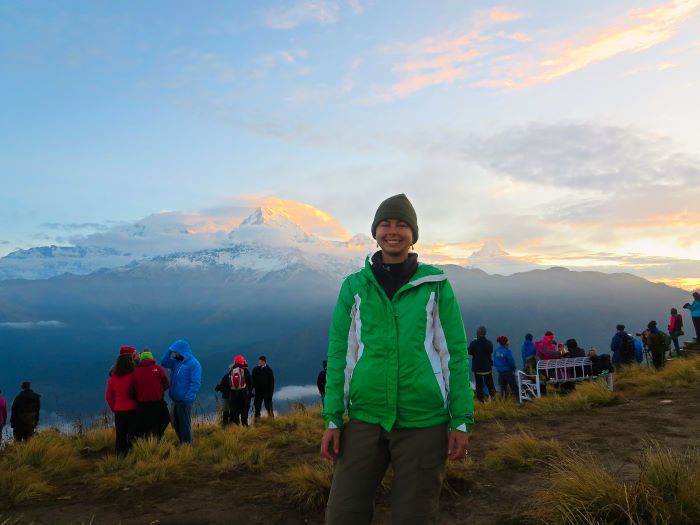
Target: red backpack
{"x":237,"y":378}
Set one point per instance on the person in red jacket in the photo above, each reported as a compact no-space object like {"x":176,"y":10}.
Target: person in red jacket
{"x":675,"y":329}
{"x":148,"y":388}
{"x":119,"y":399}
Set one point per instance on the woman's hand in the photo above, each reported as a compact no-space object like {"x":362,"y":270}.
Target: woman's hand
{"x":330,"y":443}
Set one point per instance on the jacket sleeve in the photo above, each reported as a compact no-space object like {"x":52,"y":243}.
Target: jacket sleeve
{"x":109,"y":395}
{"x":167,"y":361}
{"x":340,"y":342}
{"x":460,"y":394}
{"x":164,"y":381}
{"x":195,"y":382}
{"x":509,"y":357}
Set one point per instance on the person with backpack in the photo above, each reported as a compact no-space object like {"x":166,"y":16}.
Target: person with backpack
{"x":240,"y":386}
{"x":121,"y":403}
{"x":398,"y":365}
{"x":481,"y":350}
{"x":505,"y":365}
{"x":185,"y":381}
{"x":622,"y":346}
{"x":695,"y":314}
{"x":149,"y":383}
{"x":656,"y":341}
{"x":24,"y":415}
{"x":675,"y":329}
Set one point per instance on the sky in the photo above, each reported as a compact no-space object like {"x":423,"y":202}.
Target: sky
{"x":563,"y":133}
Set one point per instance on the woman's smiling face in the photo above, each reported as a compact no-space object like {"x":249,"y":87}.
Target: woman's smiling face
{"x":395,"y":238}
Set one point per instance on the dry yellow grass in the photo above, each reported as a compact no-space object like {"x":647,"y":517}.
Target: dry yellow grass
{"x":308,"y":485}
{"x":521,"y":450}
{"x":23,"y":484}
{"x":583,"y":491}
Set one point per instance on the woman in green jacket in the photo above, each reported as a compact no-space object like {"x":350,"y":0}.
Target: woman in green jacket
{"x":398,"y":366}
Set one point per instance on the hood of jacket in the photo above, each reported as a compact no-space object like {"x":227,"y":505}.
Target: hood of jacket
{"x":182,"y":347}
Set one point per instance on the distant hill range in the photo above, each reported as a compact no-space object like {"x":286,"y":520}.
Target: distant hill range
{"x":269,"y":290}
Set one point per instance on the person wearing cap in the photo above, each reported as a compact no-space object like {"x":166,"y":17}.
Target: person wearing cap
{"x":264,"y":386}
{"x":240,"y":387}
{"x":185,"y":381}
{"x":149,"y":383}
{"x":505,"y":365}
{"x":398,"y":366}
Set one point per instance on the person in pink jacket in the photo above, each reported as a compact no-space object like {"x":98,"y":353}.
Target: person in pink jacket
{"x":119,"y":399}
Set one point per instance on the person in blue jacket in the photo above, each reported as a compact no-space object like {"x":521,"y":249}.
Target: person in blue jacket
{"x":505,"y":364}
{"x":527,"y":352}
{"x":695,"y":314}
{"x":185,"y":380}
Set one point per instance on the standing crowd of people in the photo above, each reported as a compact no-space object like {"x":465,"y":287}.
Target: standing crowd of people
{"x":239,"y":386}
{"x":136,"y":393}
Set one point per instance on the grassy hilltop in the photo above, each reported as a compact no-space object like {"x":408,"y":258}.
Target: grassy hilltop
{"x":593,"y":456}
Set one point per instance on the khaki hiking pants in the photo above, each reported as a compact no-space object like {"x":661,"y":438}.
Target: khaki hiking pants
{"x":417,"y":457}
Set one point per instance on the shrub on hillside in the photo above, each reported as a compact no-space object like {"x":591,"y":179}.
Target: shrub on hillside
{"x":583,"y":491}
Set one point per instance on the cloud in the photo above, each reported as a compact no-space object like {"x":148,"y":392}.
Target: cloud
{"x":73,"y":226}
{"x":437,"y":60}
{"x":320,"y":11}
{"x":32,"y":325}
{"x":582,"y":156}
{"x":518,"y":59}
{"x":296,"y":392}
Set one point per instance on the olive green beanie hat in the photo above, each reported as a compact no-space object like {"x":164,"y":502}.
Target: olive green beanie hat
{"x":396,"y":207}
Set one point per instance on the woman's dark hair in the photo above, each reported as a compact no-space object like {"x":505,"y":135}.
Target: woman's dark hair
{"x":674,"y":311}
{"x":123,"y":365}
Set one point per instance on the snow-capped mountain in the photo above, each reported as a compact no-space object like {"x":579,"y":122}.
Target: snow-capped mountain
{"x":48,"y":261}
{"x":493,"y":259}
{"x":267,"y":240}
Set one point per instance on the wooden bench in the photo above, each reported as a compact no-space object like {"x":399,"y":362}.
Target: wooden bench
{"x":557,"y":371}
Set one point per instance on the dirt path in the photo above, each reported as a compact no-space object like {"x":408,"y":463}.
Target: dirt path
{"x":617,"y":435}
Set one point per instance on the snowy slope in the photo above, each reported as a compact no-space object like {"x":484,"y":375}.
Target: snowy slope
{"x":267,"y":240}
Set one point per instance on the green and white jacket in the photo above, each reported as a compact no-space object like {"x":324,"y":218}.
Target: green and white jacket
{"x":399,"y":363}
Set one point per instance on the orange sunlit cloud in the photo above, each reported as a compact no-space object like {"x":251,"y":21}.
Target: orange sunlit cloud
{"x":687,"y":283}
{"x":499,"y":15}
{"x":642,"y":30}
{"x":669,"y":220}
{"x":453,"y":53}
{"x":639,"y":30}
{"x":310,"y":219}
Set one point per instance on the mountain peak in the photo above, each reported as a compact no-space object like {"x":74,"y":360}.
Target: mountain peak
{"x":490,"y":248}
{"x":269,"y":225}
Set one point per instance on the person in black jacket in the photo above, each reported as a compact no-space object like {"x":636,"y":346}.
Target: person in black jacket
{"x":25,"y":413}
{"x":481,"y":350}
{"x":264,"y":385}
{"x":321,"y":381}
{"x":224,"y":387}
